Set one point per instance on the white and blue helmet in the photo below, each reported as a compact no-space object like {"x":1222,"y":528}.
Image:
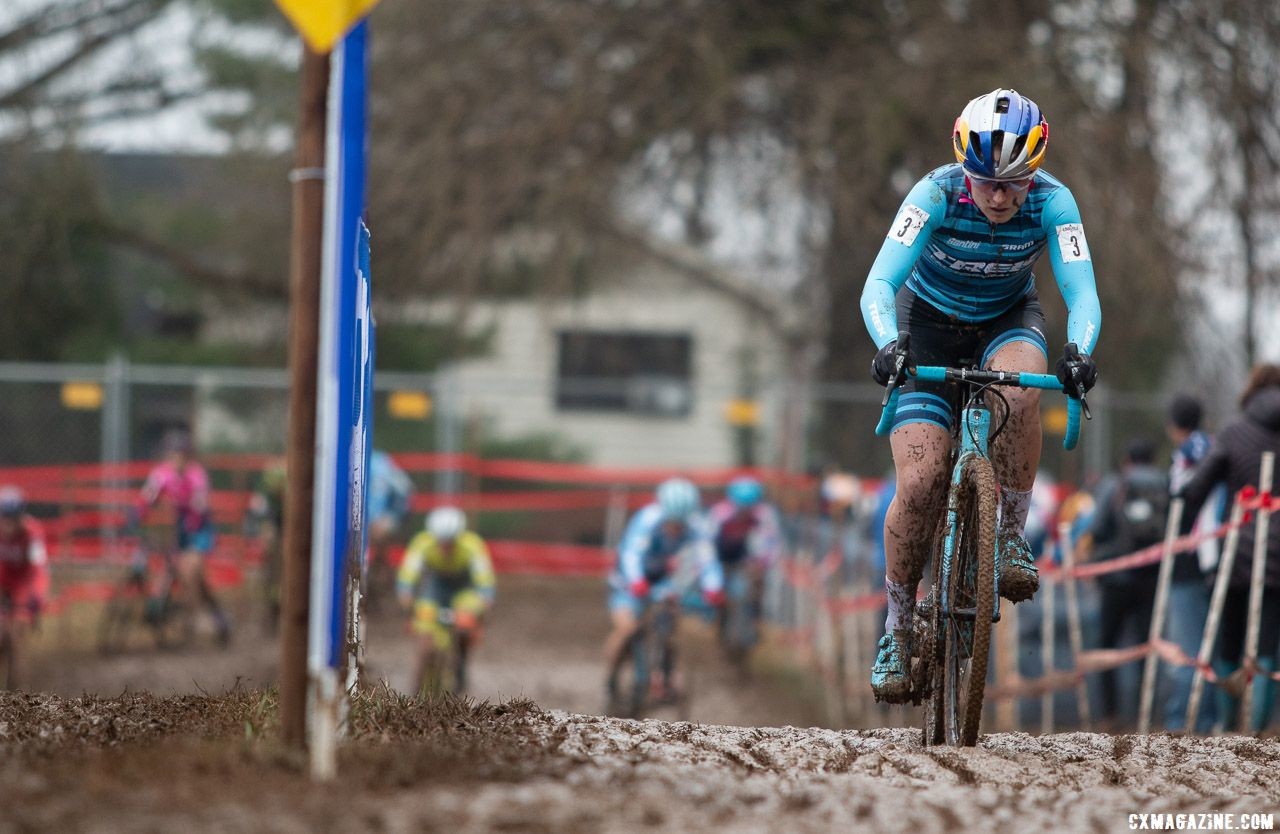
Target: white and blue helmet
{"x":1001,"y":135}
{"x":446,"y":523}
{"x":678,"y":499}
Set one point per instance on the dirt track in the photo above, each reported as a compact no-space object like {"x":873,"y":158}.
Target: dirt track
{"x":145,"y":764}
{"x":542,"y":643}
{"x":141,"y":764}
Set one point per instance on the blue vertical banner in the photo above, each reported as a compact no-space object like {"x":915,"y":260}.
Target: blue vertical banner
{"x":345,"y":379}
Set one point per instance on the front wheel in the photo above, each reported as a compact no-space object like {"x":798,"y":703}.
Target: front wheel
{"x":966,"y":583}
{"x":8,"y":659}
{"x":629,"y":679}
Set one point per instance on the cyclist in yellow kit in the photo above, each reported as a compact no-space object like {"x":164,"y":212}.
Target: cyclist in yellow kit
{"x":446,"y":584}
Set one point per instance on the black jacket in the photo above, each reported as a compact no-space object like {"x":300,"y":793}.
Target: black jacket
{"x":1235,"y":459}
{"x":1109,"y":540}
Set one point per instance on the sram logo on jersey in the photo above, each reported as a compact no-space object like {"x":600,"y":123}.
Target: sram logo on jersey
{"x":980,"y":267}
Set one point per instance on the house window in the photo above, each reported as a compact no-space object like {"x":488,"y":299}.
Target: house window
{"x":636,"y":373}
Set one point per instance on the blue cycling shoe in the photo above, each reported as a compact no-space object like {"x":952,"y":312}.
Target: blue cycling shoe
{"x":890,"y":674}
{"x":1019,"y":579}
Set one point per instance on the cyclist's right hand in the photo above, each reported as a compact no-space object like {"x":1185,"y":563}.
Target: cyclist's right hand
{"x":639,"y":588}
{"x":890,"y":362}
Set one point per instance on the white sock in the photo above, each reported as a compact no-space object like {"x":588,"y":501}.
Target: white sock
{"x":1014,"y":506}
{"x":902,"y":605}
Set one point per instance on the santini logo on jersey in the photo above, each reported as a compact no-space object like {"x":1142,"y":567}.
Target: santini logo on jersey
{"x":981,"y":267}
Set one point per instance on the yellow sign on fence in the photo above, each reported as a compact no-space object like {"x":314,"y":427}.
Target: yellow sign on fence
{"x":82,"y":396}
{"x":323,"y":22}
{"x":1055,"y":420}
{"x":742,"y":413}
{"x":409,"y":405}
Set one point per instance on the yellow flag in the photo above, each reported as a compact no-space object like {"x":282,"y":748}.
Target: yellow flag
{"x":323,"y":22}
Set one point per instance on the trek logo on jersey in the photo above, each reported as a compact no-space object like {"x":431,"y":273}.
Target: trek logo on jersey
{"x":877,"y":321}
{"x":907,"y":225}
{"x":981,"y":267}
{"x":1072,"y":243}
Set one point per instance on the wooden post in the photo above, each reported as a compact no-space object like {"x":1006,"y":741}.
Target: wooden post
{"x":304,"y":331}
{"x":1046,"y":652}
{"x":1211,"y":622}
{"x":1074,"y":630}
{"x":1152,"y":666}
{"x":1255,"y":592}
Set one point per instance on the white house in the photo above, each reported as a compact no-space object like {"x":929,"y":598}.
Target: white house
{"x":643,"y":371}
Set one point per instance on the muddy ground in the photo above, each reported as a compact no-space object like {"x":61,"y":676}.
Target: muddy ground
{"x":138,"y":762}
{"x":543,"y":642}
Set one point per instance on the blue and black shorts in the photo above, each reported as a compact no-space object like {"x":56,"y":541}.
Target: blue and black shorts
{"x":940,"y":339}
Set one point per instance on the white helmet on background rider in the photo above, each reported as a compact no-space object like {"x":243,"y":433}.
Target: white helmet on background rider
{"x":446,"y":523}
{"x":678,"y":499}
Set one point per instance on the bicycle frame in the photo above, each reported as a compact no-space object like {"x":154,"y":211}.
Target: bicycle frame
{"x":974,"y":426}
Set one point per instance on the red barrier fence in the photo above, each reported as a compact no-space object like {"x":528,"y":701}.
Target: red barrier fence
{"x":93,"y":498}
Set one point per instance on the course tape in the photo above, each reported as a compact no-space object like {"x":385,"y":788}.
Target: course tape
{"x":30,"y":477}
{"x":811,"y":578}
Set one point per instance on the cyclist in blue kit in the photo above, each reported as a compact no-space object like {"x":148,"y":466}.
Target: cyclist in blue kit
{"x":955,"y":272}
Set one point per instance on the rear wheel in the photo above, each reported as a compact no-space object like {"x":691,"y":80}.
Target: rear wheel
{"x":964,"y":626}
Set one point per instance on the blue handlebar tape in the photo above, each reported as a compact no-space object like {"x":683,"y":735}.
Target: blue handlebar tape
{"x":1046,"y":382}
{"x":1073,"y":424}
{"x":886,"y":416}
{"x":931,"y":373}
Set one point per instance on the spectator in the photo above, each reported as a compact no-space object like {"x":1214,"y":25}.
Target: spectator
{"x":1131,"y":510}
{"x":1234,"y":459}
{"x":1189,"y":591}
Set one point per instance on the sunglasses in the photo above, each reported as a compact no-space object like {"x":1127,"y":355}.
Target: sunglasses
{"x":991,"y":186}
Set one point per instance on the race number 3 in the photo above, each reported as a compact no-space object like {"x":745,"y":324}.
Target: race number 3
{"x":1072,"y":243}
{"x":908,"y":224}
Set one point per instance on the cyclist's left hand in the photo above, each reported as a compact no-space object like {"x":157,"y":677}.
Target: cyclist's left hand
{"x":715,"y":599}
{"x":1076,"y":369}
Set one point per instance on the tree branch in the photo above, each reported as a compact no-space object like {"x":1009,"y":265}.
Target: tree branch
{"x":209,"y":278}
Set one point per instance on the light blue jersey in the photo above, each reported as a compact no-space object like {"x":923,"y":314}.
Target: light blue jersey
{"x":646,"y":552}
{"x":944,"y":249}
{"x":389,"y":487}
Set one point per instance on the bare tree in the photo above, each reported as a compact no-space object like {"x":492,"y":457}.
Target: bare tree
{"x":507,"y":130}
{"x":1224,"y":56}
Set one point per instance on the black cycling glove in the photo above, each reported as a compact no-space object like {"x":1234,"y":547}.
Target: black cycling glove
{"x":886,"y":361}
{"x":1076,"y":369}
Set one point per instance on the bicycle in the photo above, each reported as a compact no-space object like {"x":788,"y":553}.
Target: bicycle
{"x":738,"y":626}
{"x":446,"y":669}
{"x":953,"y":629}
{"x":151,"y":594}
{"x":633,"y":684}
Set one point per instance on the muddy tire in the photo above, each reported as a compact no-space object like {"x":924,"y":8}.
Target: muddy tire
{"x":965,"y":629}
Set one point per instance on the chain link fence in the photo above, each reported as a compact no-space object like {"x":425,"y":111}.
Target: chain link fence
{"x":118,"y":411}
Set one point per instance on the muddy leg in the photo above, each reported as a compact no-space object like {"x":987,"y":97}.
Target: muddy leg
{"x":920,"y":455}
{"x":1016,"y":452}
